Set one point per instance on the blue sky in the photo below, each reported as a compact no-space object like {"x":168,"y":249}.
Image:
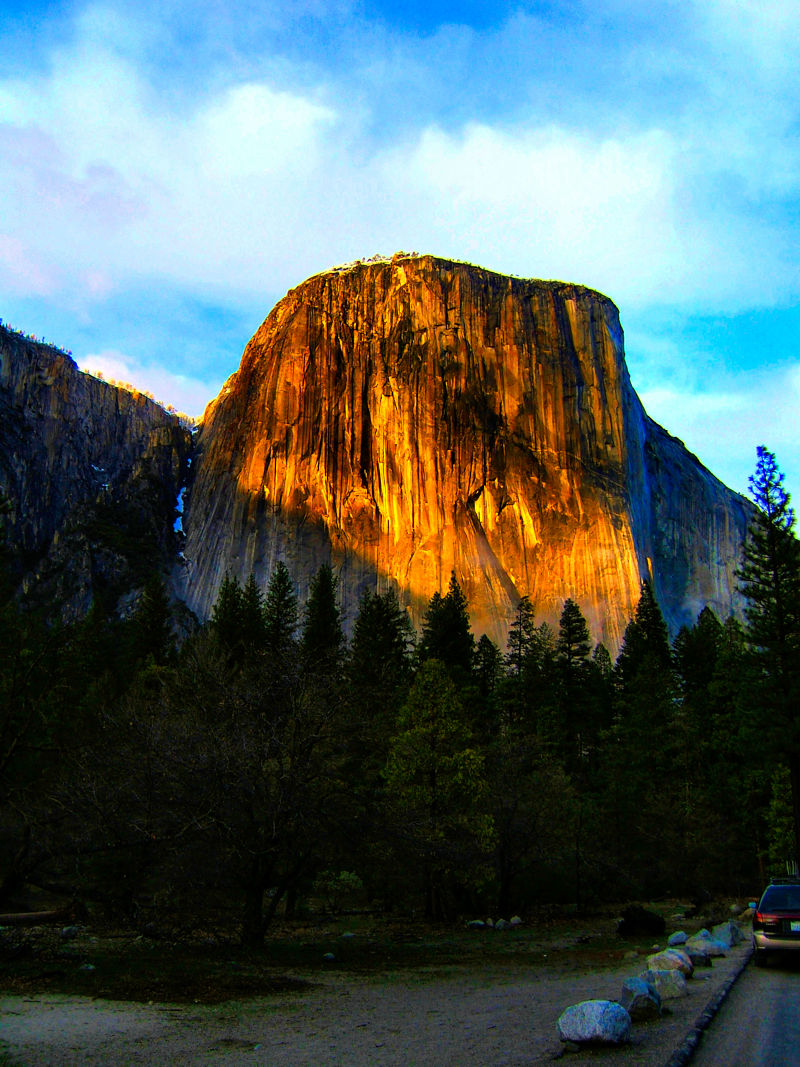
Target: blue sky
{"x":169,"y":170}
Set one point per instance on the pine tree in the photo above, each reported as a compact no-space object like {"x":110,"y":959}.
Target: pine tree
{"x":322,"y":638}
{"x":601,"y":658}
{"x":695,"y":652}
{"x":378,"y":671}
{"x":572,"y":646}
{"x":226,"y":615}
{"x":378,"y":675}
{"x":446,"y":633}
{"x":280,"y":612}
{"x":770,"y":575}
{"x":572,"y":660}
{"x":237,"y":619}
{"x":769,"y":578}
{"x":520,"y":636}
{"x":646,"y":640}
{"x":488,"y":667}
{"x":379,"y":659}
{"x":528,"y":696}
{"x":738,"y":774}
{"x":152,"y":626}
{"x":435,"y":779}
{"x":253,"y":622}
{"x":641,"y":749}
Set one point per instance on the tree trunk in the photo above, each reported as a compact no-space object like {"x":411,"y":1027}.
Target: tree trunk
{"x":252,"y":916}
{"x":14,"y":879}
{"x":578,"y":860}
{"x":794,"y":775}
{"x":428,"y":893}
{"x":291,"y":902}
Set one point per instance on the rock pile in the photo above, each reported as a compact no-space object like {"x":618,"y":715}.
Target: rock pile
{"x":604,"y":1022}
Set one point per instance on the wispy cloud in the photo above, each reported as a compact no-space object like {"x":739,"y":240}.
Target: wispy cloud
{"x":22,"y":271}
{"x":227,"y":152}
{"x":723,"y":427}
{"x":190,"y":395}
{"x":251,"y":184}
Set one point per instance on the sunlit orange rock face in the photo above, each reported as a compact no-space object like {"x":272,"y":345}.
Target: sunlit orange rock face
{"x":405,"y":419}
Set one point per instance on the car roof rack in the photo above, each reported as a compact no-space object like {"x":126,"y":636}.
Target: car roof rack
{"x":791,"y":879}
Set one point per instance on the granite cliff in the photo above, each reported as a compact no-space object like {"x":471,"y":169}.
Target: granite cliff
{"x":92,"y":473}
{"x":405,"y":418}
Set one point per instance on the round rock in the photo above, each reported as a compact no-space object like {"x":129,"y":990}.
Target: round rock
{"x":671,"y":959}
{"x":640,"y":999}
{"x":668,"y":984}
{"x":600,"y":1022}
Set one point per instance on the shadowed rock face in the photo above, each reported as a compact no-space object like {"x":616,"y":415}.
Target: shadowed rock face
{"x":92,"y":473}
{"x":403,"y":419}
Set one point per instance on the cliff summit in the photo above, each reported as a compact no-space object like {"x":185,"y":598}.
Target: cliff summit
{"x":402,"y":418}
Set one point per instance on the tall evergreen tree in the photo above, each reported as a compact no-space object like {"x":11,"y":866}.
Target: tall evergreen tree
{"x":322,"y":638}
{"x":280,"y":612}
{"x":521,"y":636}
{"x":641,"y":750}
{"x":435,"y":781}
{"x":646,"y":640}
{"x":600,"y":686}
{"x":446,"y":633}
{"x":380,"y":651}
{"x":770,"y":575}
{"x":737,"y":777}
{"x":574,"y":697}
{"x":601,"y":659}
{"x":378,"y":673}
{"x":695,"y":653}
{"x":769,"y":578}
{"x":488,"y":664}
{"x":227,"y":614}
{"x":528,"y":690}
{"x":151,"y":624}
{"x":254,"y":630}
{"x":238,"y":619}
{"x":572,"y":646}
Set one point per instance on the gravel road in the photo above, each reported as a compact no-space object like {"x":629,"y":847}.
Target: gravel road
{"x":486,"y":1017}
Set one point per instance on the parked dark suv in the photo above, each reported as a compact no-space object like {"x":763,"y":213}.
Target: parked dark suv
{"x":776,"y":923}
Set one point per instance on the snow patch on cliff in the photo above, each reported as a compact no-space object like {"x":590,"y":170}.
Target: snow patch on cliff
{"x":178,"y":524}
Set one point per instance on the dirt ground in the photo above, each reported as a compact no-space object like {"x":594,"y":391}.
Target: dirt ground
{"x":434,"y":1016}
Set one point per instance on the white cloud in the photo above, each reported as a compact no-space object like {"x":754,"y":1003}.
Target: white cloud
{"x":21,"y":270}
{"x":252,"y":184}
{"x":724,"y":427}
{"x":762,"y":35}
{"x":649,"y":153}
{"x":253,"y":131}
{"x":190,"y":395}
{"x":551,"y":202}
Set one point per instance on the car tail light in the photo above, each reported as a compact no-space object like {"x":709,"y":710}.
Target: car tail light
{"x":762,"y":919}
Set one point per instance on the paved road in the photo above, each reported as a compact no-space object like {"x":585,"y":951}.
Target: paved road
{"x":759,"y":1023}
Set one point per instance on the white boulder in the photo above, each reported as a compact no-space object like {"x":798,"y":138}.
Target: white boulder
{"x":727,"y":934}
{"x":599,"y":1022}
{"x":671,"y":959}
{"x":668,"y":984}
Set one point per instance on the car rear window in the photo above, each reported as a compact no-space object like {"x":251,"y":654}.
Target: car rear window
{"x":781,"y":898}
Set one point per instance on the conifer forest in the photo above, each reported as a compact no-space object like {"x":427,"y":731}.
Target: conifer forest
{"x":262,"y":761}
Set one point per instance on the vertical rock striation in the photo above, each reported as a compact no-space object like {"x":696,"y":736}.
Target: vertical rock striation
{"x":403,"y":419}
{"x":92,"y":473}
